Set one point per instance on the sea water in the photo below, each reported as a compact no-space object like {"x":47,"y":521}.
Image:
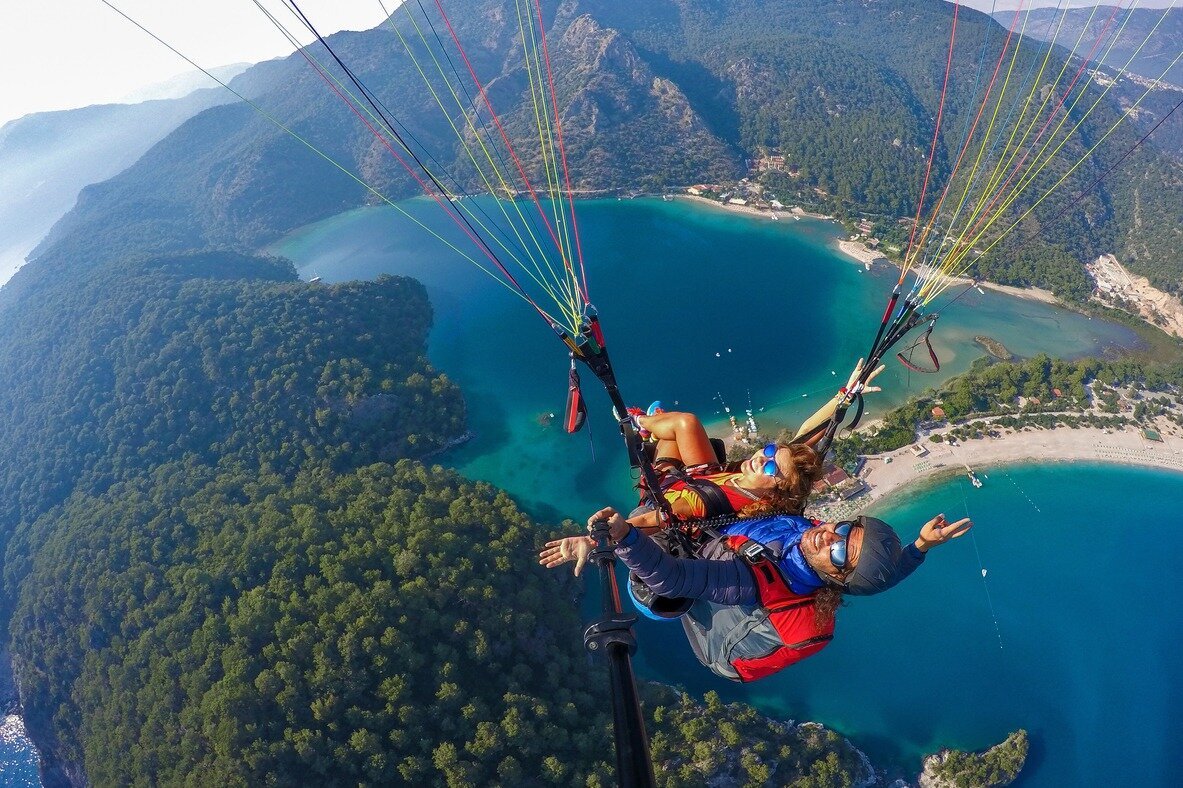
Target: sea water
{"x":1066,"y":635}
{"x":18,"y":757}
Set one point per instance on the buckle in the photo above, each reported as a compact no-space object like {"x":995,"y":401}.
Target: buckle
{"x":753,"y":551}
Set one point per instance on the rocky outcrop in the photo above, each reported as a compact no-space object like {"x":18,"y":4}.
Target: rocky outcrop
{"x":622,"y":122}
{"x":1116,"y":286}
{"x":10,"y":701}
{"x":999,"y":765}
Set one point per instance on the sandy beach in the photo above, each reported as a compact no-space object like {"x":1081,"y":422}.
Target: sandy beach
{"x":1062,"y":444}
{"x":860,"y":252}
{"x":748,"y":210}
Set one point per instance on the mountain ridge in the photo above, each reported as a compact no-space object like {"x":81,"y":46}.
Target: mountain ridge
{"x":836,"y":95}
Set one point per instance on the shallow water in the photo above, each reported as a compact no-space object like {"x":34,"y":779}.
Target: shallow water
{"x":702,"y":307}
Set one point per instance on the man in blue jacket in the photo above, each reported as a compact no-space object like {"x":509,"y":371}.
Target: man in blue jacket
{"x":872,"y":557}
{"x":761,"y":594}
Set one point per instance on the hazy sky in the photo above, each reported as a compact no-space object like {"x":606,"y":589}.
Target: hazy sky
{"x":59,"y":54}
{"x":1011,"y":5}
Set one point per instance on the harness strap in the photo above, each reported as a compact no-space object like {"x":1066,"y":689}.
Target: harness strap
{"x":713,"y":497}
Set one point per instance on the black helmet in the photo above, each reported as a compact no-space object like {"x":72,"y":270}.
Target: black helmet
{"x":878,"y":567}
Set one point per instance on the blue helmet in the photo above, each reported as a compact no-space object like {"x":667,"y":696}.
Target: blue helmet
{"x":652,"y":606}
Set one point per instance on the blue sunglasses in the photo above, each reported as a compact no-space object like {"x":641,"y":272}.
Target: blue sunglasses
{"x":839,"y":550}
{"x":770,"y":468}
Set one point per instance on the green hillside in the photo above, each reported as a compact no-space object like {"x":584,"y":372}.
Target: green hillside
{"x":653,"y":97}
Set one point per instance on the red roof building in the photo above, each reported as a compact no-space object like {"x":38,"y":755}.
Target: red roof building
{"x":836,"y":476}
{"x":938,"y":413}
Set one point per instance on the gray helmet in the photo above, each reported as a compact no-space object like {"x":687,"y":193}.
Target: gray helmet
{"x":878,"y":567}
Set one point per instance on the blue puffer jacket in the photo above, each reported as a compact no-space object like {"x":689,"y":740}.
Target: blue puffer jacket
{"x":725,"y":580}
{"x":782,"y":535}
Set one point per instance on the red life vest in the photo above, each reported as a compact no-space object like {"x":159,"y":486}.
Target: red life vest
{"x":749,"y":642}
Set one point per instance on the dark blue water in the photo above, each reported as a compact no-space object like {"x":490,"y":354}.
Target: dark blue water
{"x":19,"y":761}
{"x":1078,"y":589}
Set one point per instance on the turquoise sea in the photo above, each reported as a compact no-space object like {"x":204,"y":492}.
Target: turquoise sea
{"x":1067,"y":634}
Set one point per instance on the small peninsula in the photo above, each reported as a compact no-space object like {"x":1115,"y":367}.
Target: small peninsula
{"x":996,"y":766}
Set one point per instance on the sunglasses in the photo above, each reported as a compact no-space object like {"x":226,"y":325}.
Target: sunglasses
{"x":839,"y":551}
{"x":770,"y":468}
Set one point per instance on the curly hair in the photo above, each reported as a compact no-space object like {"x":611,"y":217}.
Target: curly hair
{"x":826,"y":601}
{"x":792,"y":490}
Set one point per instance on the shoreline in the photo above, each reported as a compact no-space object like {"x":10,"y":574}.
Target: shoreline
{"x":748,"y":210}
{"x":906,"y":471}
{"x":863,"y":254}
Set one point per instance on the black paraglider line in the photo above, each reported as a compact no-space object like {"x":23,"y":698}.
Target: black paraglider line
{"x":378,"y":109}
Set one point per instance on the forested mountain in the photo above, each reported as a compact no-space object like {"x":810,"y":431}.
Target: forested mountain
{"x":215,"y":574}
{"x":1148,"y":39}
{"x":654,"y":95}
{"x":48,"y":157}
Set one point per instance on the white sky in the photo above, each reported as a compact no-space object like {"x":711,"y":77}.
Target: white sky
{"x":60,"y":54}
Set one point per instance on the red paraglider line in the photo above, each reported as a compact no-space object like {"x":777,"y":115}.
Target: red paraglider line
{"x":497,"y":122}
{"x":977,"y":119}
{"x":562,"y":149}
{"x":447,"y":208}
{"x":1051,"y":116}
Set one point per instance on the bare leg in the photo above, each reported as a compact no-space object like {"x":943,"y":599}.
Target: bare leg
{"x":680,"y":436}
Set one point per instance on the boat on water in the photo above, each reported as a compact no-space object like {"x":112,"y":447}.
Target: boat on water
{"x":973,"y":477}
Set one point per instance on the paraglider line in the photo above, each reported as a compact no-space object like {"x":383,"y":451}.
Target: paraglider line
{"x":981,"y":568}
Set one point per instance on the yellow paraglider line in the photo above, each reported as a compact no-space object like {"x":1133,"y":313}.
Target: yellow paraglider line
{"x":546,"y":138}
{"x":571,"y":312}
{"x":954,"y":262}
{"x":1090,"y":151}
{"x":308,"y":144}
{"x":567,"y":298}
{"x":1029,"y":177}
